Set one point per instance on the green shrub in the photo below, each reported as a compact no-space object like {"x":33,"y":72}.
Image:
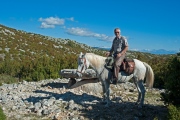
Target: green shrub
{"x":172,"y":82}
{"x":7,"y":79}
{"x":173,"y":113}
{"x":178,"y":54}
{"x":2,"y":115}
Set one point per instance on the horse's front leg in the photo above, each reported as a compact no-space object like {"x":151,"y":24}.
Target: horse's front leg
{"x":104,"y":92}
{"x":107,"y":92}
{"x":105,"y":88}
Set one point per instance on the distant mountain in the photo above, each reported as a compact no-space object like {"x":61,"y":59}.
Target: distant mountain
{"x":154,"y":51}
{"x":160,"y":51}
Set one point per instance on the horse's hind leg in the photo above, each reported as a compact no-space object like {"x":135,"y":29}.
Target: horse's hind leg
{"x":142,"y":90}
{"x":139,"y":91}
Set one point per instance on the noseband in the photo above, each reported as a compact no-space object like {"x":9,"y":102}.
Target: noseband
{"x":84,"y":65}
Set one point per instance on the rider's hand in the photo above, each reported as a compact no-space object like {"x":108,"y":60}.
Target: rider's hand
{"x":107,"y":53}
{"x":119,"y":55}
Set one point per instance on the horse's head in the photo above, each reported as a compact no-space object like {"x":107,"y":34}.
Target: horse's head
{"x":83,"y":64}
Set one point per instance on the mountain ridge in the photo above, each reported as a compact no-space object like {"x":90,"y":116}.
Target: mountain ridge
{"x":18,"y":42}
{"x":153,"y":51}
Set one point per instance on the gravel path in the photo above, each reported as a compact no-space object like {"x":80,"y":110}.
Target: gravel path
{"x":50,"y":99}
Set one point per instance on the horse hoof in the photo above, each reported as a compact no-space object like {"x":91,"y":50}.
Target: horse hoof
{"x":137,"y":103}
{"x":103,"y":102}
{"x":107,"y":105}
{"x":140,"y":106}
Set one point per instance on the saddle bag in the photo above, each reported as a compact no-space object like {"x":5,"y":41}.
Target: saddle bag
{"x":129,"y":66}
{"x":126,"y":66}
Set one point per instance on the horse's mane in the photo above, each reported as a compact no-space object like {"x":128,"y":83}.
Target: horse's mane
{"x":95,"y":60}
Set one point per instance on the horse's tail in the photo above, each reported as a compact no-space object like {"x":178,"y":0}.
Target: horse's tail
{"x":149,"y":75}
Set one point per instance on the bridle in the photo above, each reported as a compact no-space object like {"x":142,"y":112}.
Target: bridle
{"x":84,"y":65}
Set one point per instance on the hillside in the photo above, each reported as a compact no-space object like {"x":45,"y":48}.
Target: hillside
{"x":33,"y":56}
{"x":17,"y":43}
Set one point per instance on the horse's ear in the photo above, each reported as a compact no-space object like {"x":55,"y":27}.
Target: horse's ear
{"x":81,"y":53}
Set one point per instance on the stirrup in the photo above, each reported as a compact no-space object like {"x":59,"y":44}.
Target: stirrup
{"x":113,"y":81}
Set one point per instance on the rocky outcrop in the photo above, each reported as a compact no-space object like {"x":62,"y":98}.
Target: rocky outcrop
{"x":51,"y":99}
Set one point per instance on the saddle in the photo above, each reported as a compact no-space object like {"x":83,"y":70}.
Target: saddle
{"x":126,"y":66}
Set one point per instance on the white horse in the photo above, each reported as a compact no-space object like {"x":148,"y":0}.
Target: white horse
{"x":141,"y":71}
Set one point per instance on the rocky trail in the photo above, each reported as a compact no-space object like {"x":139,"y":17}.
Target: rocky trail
{"x":52,"y":100}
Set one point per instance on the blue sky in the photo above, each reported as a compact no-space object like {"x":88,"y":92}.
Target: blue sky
{"x":147,"y":24}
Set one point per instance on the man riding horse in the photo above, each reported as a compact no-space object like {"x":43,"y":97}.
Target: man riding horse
{"x":118,"y":49}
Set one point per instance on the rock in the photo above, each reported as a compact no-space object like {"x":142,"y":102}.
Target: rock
{"x":45,"y":112}
{"x":72,"y":73}
{"x":89,"y":108}
{"x":14,"y":108}
{"x":37,"y":106}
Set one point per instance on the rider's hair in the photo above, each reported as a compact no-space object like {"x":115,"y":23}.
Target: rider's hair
{"x":117,"y":29}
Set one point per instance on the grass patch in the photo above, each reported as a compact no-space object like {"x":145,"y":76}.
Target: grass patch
{"x":2,"y":115}
{"x":152,"y":95}
{"x":173,"y":112}
{"x":7,"y":79}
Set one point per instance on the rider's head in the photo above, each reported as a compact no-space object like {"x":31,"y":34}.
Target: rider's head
{"x":117,"y":32}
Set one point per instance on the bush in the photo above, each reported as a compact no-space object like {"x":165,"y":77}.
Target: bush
{"x":7,"y":79}
{"x":178,"y":54}
{"x":2,"y":115}
{"x":173,"y":113}
{"x":172,"y":82}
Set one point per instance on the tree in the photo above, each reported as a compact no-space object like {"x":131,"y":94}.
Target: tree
{"x":172,"y":82}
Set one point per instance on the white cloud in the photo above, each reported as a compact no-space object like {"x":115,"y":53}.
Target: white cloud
{"x":84,"y":32}
{"x":51,"y":22}
{"x":70,"y":19}
{"x":78,"y":31}
{"x":45,"y":25}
